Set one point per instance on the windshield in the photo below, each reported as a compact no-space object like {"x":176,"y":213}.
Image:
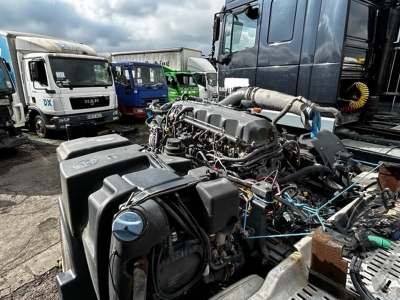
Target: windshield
{"x":5,"y":79}
{"x":146,"y":76}
{"x":186,"y":79}
{"x":80,"y":72}
{"x":212,"y":79}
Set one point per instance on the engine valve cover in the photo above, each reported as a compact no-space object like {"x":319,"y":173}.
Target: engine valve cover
{"x":249,"y":129}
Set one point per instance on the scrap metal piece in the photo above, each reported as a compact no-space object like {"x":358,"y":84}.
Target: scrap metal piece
{"x":389,"y":176}
{"x":328,"y":270}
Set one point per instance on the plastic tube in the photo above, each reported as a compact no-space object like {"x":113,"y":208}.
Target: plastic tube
{"x":303,"y":172}
{"x":273,"y":100}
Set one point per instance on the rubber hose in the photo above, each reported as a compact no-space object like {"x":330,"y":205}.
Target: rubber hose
{"x":273,"y":100}
{"x":303,"y":172}
{"x":234,"y":98}
{"x":217,"y":267}
{"x":269,"y":99}
{"x":333,"y":111}
{"x":174,"y":215}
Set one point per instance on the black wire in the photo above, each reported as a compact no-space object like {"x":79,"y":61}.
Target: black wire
{"x":359,"y":202}
{"x":179,"y":206}
{"x":362,"y":290}
{"x":290,"y":187}
{"x":112,"y":256}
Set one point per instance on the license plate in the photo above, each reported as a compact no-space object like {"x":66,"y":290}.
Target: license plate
{"x":94,"y":116}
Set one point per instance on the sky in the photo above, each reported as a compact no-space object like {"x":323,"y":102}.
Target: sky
{"x":116,"y":25}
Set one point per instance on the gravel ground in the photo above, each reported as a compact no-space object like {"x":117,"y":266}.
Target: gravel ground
{"x":29,"y":229}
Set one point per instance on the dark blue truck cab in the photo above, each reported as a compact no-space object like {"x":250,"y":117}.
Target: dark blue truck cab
{"x":335,"y":53}
{"x":137,"y":84}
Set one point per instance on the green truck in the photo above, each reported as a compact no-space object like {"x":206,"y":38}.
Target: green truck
{"x":180,"y":84}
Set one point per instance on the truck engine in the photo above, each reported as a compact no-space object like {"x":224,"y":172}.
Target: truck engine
{"x":216,"y":197}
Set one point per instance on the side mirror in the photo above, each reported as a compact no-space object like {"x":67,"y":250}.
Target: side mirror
{"x":112,"y":70}
{"x":34,"y":71}
{"x":225,"y":59}
{"x":252,"y":13}
{"x":7,"y":65}
{"x":216,"y":27}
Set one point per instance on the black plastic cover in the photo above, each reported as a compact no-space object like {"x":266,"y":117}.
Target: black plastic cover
{"x":83,"y":146}
{"x":220,"y":199}
{"x":179,"y":164}
{"x":84,"y":175}
{"x":326,"y":145}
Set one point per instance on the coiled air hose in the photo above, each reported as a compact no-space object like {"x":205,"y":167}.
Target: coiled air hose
{"x":362,"y":87}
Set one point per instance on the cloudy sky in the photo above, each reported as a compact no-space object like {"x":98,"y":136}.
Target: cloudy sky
{"x":116,"y":25}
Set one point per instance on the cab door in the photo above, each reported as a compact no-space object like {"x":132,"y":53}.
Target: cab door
{"x":239,"y":42}
{"x":281,"y":38}
{"x":38,"y":88}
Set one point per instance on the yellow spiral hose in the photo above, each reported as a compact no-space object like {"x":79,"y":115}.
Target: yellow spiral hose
{"x":362,"y":87}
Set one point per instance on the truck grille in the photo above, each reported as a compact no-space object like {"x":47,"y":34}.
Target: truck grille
{"x":162,"y":100}
{"x":89,"y":102}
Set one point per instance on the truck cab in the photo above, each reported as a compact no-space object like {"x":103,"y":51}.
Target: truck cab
{"x":10,"y":134}
{"x":137,"y":84}
{"x":180,"y":84}
{"x":205,"y":75}
{"x":334,"y":53}
{"x":208,"y":84}
{"x":59,"y":83}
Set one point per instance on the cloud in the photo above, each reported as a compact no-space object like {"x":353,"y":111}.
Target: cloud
{"x":116,"y":25}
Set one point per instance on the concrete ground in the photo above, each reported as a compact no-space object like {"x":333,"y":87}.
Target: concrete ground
{"x":29,"y":226}
{"x":29,"y":231}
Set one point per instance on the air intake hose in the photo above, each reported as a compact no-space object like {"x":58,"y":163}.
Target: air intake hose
{"x":273,"y":100}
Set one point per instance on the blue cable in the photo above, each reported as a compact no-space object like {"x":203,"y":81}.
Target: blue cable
{"x":310,"y":211}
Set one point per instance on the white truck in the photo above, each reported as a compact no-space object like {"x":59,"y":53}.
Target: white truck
{"x":59,"y":83}
{"x":178,"y":59}
{"x":205,"y":75}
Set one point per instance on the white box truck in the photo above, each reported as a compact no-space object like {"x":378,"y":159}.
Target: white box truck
{"x":59,"y":83}
{"x":178,"y":59}
{"x":205,"y":75}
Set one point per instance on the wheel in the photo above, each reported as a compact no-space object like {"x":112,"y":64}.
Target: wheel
{"x":40,"y":127}
{"x":121,"y":116}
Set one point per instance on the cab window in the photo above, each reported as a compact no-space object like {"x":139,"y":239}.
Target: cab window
{"x":240,"y":30}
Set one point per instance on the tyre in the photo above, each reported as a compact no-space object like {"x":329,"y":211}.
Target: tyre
{"x":121,"y":116}
{"x":40,"y":127}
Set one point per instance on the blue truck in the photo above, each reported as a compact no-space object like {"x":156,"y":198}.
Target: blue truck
{"x":137,"y":84}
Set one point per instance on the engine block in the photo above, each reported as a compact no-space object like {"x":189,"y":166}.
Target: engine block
{"x":237,"y":125}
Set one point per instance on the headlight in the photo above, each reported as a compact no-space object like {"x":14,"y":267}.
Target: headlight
{"x":63,"y":120}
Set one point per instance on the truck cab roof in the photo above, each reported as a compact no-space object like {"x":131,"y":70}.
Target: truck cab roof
{"x":135,"y":63}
